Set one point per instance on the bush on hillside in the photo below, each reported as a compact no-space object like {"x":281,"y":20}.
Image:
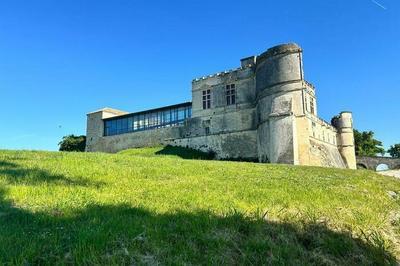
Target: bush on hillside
{"x":73,"y":143}
{"x":366,"y":144}
{"x":394,"y":151}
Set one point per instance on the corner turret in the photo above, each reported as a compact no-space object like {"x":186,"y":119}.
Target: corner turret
{"x":344,"y":124}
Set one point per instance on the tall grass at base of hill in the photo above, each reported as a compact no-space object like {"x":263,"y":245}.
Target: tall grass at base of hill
{"x":146,"y":207}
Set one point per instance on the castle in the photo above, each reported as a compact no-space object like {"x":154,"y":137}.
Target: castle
{"x":264,"y":110}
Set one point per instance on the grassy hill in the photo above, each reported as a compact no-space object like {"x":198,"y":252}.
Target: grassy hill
{"x":155,"y":206}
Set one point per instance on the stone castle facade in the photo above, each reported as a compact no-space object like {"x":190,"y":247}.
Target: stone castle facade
{"x":264,"y":110}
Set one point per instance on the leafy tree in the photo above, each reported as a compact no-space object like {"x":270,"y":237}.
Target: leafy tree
{"x":366,"y":145}
{"x":394,"y":151}
{"x":73,"y":143}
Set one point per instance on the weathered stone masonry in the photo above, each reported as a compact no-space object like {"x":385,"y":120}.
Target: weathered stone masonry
{"x":265,"y":110}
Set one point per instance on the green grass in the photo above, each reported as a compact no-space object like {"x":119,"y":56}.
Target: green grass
{"x":149,"y":207}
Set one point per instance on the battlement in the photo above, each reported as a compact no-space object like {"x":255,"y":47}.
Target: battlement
{"x":251,"y":61}
{"x":322,"y":122}
{"x":308,"y":85}
{"x":219,"y":74}
{"x":248,"y":61}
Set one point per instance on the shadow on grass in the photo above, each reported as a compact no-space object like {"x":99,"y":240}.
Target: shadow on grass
{"x":7,"y":164}
{"x":185,"y":153}
{"x":121,"y":234}
{"x":13,"y":173}
{"x":188,"y":153}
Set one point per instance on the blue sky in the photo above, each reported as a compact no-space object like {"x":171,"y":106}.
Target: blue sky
{"x":62,"y":59}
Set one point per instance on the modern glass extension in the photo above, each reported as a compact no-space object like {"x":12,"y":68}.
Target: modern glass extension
{"x":151,"y":119}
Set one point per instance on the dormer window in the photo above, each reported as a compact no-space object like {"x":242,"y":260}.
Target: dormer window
{"x":230,"y":94}
{"x":206,"y":99}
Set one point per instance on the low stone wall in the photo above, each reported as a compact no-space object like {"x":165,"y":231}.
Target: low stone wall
{"x":236,"y":145}
{"x":148,"y":138}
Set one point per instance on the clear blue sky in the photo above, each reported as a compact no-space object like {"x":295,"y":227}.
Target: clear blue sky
{"x":62,"y":59}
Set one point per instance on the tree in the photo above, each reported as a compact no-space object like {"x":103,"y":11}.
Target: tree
{"x":394,"y":151}
{"x":366,"y":145}
{"x":73,"y":143}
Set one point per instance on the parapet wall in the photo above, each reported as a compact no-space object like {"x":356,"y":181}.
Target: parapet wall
{"x":322,"y":130}
{"x":221,"y":74}
{"x":139,"y":139}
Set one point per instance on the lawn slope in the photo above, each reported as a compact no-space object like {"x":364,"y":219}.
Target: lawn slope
{"x":155,"y":206}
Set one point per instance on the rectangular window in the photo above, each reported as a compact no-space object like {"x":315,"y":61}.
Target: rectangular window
{"x":206,"y":99}
{"x":174,"y":115}
{"x":230,"y":94}
{"x":313,"y":129}
{"x":146,"y":121}
{"x":312,"y":109}
{"x":119,"y":126}
{"x":306,"y":102}
{"x":141,"y":122}
{"x":167,"y":116}
{"x":181,"y":114}
{"x":135,"y":123}
{"x":130,"y":123}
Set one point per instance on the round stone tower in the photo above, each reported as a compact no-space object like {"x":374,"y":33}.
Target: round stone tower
{"x":279,"y":75}
{"x":344,"y":125}
{"x":278,"y":65}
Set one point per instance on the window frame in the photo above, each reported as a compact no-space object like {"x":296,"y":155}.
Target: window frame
{"x":206,"y":99}
{"x":230,"y":94}
{"x":312,"y":106}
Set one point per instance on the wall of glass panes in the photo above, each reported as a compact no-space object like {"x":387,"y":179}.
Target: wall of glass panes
{"x":148,"y":120}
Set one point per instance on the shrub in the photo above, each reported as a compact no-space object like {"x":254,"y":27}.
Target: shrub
{"x":73,"y":143}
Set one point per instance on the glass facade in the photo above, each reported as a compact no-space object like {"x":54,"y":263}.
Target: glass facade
{"x":157,"y":118}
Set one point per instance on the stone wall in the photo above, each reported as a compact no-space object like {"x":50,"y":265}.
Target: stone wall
{"x":243,"y":78}
{"x":236,"y":145}
{"x":148,"y":138}
{"x":318,"y":142}
{"x":95,"y":127}
{"x":325,"y":154}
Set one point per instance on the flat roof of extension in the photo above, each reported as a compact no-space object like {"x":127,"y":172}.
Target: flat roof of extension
{"x":185,"y":104}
